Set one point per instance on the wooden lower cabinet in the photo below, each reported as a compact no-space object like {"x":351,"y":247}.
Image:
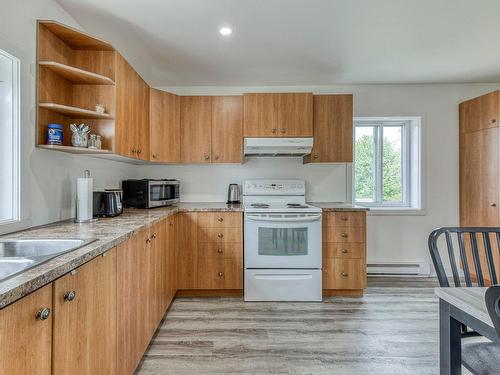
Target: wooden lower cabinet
{"x":26,"y":341}
{"x":210,"y":251}
{"x":344,"y":252}
{"x":84,"y":340}
{"x":220,"y":273}
{"x":349,"y":274}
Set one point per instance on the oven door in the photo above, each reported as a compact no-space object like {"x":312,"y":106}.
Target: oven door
{"x":291,"y":240}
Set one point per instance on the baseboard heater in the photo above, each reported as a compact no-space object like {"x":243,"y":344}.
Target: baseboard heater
{"x":398,"y":269}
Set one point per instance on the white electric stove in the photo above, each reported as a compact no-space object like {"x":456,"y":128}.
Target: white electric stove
{"x":283,"y":248}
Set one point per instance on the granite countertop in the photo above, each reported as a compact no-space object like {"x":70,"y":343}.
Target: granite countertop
{"x":336,"y":206}
{"x":109,"y":233}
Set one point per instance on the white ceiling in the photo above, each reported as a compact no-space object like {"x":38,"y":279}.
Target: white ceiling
{"x":300,"y":42}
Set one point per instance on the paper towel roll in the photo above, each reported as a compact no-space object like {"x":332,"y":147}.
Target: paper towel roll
{"x":84,"y":189}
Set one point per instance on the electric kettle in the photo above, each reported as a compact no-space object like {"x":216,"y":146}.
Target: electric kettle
{"x":233,"y":193}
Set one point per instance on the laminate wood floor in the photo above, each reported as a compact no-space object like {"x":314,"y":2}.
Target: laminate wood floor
{"x":393,"y":329}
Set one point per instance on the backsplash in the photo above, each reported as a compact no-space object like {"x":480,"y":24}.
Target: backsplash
{"x":208,"y":183}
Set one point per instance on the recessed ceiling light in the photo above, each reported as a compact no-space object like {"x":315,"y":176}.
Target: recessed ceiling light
{"x":225,"y":31}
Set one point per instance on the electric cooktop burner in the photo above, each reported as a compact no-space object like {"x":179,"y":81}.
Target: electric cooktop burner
{"x":260,"y":205}
{"x":296,"y":205}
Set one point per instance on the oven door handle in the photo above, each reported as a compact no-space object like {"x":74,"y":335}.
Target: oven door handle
{"x":301,"y":219}
{"x":283,"y":276}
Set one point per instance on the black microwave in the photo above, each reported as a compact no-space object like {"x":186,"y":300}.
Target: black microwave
{"x":150,"y":193}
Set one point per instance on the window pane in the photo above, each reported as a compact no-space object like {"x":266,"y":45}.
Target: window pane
{"x":365,"y":164}
{"x":392,"y":171}
{"x":8,"y":127}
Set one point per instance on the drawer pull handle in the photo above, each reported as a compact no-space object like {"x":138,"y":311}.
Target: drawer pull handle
{"x":344,"y":235}
{"x":344,"y":274}
{"x":154,"y":235}
{"x":69,"y":296}
{"x":219,"y":251}
{"x":220,"y":219}
{"x":42,"y":314}
{"x":344,"y":218}
{"x":221,"y":274}
{"x":206,"y":157}
{"x":345,"y":251}
{"x":220,"y":235}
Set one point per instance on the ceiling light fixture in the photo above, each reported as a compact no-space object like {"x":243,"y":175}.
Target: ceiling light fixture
{"x":225,"y":31}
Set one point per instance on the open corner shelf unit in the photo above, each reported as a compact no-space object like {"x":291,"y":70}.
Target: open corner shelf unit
{"x":75,"y":73}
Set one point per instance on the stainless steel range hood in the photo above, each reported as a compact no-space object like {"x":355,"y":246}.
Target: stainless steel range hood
{"x":278,"y":146}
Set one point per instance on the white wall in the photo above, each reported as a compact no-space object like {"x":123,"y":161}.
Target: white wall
{"x":391,"y":238}
{"x":47,"y":178}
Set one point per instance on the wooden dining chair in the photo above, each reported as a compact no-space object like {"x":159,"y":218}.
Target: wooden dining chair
{"x":483,"y":358}
{"x":461,"y":246}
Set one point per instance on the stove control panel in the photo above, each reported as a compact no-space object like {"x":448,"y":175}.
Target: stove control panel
{"x":274,"y":187}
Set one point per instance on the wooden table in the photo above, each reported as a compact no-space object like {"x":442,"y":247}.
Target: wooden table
{"x":459,"y":306}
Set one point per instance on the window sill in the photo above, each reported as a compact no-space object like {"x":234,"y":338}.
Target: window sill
{"x":396,"y":211}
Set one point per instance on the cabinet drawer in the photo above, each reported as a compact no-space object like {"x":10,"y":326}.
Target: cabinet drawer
{"x":344,"y":234}
{"x":220,"y":250}
{"x":220,"y":219}
{"x":341,"y":273}
{"x":217,"y":273}
{"x":219,"y":235}
{"x":344,"y":250}
{"x":344,"y":219}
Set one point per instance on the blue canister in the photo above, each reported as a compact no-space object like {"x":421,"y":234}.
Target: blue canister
{"x":54,"y":134}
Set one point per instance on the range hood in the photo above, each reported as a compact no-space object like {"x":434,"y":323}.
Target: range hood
{"x":278,"y":146}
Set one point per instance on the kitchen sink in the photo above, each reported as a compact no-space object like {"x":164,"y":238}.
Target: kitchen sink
{"x":19,"y":255}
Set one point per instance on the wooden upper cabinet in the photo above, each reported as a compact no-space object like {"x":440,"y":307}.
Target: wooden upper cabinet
{"x":24,"y":339}
{"x":479,"y":185}
{"x":260,"y":115}
{"x":479,"y":113}
{"x":84,"y":338}
{"x":333,"y":129}
{"x":278,"y":115}
{"x":295,"y":115}
{"x":164,"y":118}
{"x":227,"y":129}
{"x":132,"y":112}
{"x":196,"y":129}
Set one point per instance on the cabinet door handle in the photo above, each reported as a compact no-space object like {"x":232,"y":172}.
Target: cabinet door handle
{"x":69,"y":296}
{"x":344,"y":218}
{"x":344,"y":235}
{"x":216,"y":157}
{"x":154,"y":156}
{"x":219,"y":251}
{"x":274,"y":131}
{"x":316,"y":156}
{"x":344,"y":251}
{"x":493,"y":120}
{"x":139,"y":151}
{"x":344,"y":274}
{"x":148,"y":240}
{"x":283,"y":131}
{"x":134,"y":151}
{"x":206,"y":157}
{"x":42,"y":314}
{"x":220,"y":235}
{"x":221,"y":274}
{"x":220,"y":219}
{"x":154,"y":235}
{"x":493,"y":205}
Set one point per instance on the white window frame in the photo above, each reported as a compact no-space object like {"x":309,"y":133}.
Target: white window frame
{"x":16,"y":111}
{"x":410,"y":162}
